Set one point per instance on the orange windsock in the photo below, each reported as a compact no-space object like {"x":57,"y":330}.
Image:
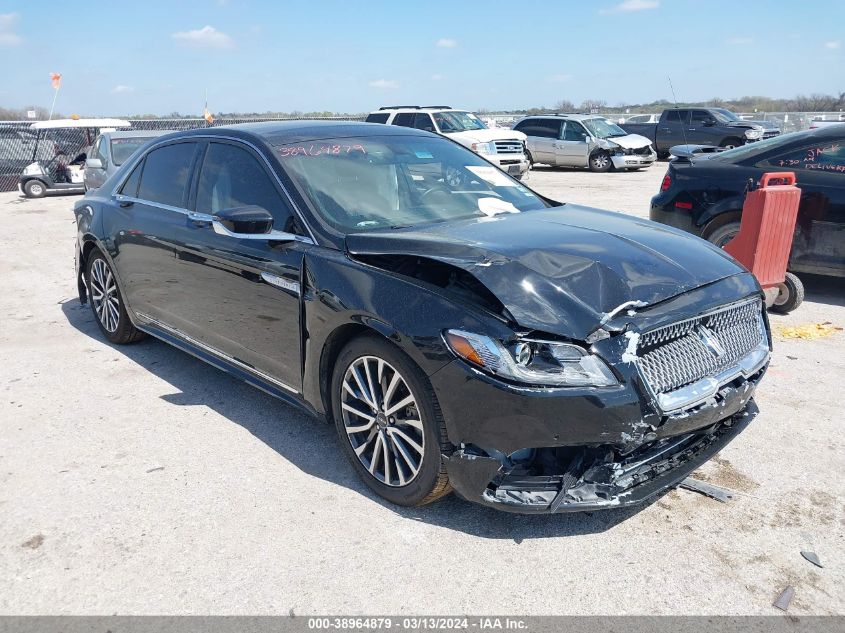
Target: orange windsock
{"x":56,"y":78}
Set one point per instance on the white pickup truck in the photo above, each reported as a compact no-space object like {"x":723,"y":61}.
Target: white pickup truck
{"x":502,"y":147}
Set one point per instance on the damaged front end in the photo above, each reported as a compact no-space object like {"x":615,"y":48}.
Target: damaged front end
{"x":574,"y":479}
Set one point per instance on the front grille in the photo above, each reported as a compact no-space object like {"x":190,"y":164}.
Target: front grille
{"x":509,"y":147}
{"x":680,"y":354}
{"x":771,"y":133}
{"x":643,"y":151}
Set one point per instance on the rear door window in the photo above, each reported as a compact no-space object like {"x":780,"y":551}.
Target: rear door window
{"x":166,"y":174}
{"x":676,"y":116}
{"x":405,"y":119}
{"x":828,"y":157}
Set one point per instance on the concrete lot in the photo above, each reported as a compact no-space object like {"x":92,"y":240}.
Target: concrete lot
{"x":137,"y":480}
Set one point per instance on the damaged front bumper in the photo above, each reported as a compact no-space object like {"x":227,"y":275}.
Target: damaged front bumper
{"x":589,"y":478}
{"x":633,"y":161}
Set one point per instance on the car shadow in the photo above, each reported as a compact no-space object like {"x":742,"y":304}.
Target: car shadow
{"x":823,"y":289}
{"x":302,"y":440}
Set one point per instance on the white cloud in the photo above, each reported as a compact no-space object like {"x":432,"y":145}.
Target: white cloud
{"x":446,"y":42}
{"x":436,"y":77}
{"x":384,"y":84}
{"x":628,"y":6}
{"x":8,"y":37}
{"x":121,"y":89}
{"x":740,"y":41}
{"x":559,"y":78}
{"x":206,"y":37}
{"x":834,"y":45}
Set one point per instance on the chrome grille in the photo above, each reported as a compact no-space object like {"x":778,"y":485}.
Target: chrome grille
{"x":770,"y":133}
{"x":509,"y":147}
{"x":680,"y":354}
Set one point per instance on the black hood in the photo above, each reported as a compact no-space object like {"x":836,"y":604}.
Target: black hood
{"x":563,"y":269}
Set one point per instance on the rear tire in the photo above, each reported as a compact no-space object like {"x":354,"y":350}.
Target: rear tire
{"x":413,"y":477}
{"x":600,"y":162}
{"x":724,"y":234}
{"x":107,"y":302}
{"x":790,"y":295}
{"x":34,"y":189}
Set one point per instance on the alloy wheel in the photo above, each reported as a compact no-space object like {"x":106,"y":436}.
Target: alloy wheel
{"x":600,"y":161}
{"x":382,"y":421}
{"x":104,"y":295}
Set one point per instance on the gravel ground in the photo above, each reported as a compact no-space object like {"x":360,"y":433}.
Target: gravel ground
{"x":137,"y":480}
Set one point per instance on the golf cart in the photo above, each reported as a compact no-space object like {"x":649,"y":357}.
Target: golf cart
{"x":69,"y":141}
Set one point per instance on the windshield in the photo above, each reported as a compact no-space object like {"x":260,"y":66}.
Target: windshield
{"x":389,"y":182}
{"x":123,"y":148}
{"x":725,"y":116}
{"x":458,"y":121}
{"x":602,"y":128}
{"x":758,"y":147}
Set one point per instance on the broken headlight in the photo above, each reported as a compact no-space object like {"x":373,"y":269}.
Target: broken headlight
{"x":531,"y":361}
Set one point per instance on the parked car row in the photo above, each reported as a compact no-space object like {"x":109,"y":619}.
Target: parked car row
{"x":560,"y":140}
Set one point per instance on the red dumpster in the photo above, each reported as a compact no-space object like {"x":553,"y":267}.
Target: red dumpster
{"x":765,"y":238}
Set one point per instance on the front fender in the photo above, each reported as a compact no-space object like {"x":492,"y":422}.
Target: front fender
{"x":340,"y":292}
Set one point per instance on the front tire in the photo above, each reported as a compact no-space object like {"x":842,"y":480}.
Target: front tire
{"x":790,"y":295}
{"x":389,"y":422}
{"x":730,"y":143}
{"x":107,"y":302}
{"x":34,"y":189}
{"x":600,"y":162}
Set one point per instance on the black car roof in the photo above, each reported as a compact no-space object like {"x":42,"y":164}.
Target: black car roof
{"x":283,"y":132}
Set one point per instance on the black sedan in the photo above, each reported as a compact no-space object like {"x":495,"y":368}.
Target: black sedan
{"x":704,"y":194}
{"x":461,"y":331}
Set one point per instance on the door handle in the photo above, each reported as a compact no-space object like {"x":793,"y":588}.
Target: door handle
{"x":200,"y":219}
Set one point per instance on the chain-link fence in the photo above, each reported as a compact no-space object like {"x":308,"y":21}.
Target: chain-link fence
{"x":20,"y":145}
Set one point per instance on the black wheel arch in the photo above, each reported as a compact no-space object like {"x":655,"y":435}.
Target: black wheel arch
{"x":719,"y":220}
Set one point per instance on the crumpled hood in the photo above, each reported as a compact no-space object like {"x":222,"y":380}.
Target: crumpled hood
{"x":631,"y":141}
{"x":561,"y":270}
{"x":486,"y":135}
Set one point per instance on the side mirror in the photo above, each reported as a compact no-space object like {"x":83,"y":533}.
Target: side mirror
{"x":709,"y":122}
{"x":246,"y":223}
{"x":94,"y":163}
{"x":249,"y":219}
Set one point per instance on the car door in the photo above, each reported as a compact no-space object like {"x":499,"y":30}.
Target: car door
{"x":96,"y":176}
{"x":572,"y":149}
{"x":542,"y":135}
{"x":699,"y":129}
{"x":672,"y":129}
{"x":819,"y":244}
{"x":245,"y":298}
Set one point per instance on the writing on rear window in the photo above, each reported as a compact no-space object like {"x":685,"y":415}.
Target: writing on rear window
{"x":320,"y":150}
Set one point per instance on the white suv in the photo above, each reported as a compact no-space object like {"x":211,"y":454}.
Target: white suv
{"x":502,"y":147}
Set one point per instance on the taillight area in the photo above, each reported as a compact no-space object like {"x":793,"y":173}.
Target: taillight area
{"x":667,"y":182}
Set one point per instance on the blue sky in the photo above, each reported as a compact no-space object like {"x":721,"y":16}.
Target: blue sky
{"x":254,"y":55}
